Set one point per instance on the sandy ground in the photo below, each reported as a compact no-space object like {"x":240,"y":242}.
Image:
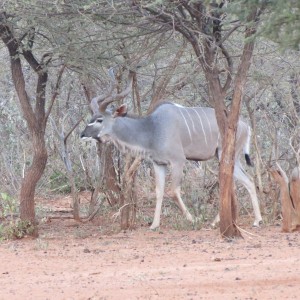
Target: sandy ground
{"x":78,"y":261}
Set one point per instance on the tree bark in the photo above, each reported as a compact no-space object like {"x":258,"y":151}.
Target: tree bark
{"x":228,"y":211}
{"x":129,"y":200}
{"x":31,"y":178}
{"x":290,"y":198}
{"x":228,"y":156}
{"x":110,"y":181}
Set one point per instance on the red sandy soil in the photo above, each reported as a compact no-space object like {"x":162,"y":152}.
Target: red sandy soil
{"x":71,"y":260}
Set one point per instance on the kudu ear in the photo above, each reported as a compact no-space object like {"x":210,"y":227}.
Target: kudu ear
{"x":121,"y":111}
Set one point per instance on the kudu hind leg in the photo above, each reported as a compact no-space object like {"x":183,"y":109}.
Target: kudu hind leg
{"x":160,"y":178}
{"x":175,"y":190}
{"x":241,"y":176}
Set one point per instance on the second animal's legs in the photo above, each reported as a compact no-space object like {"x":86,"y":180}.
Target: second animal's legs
{"x":176,"y":175}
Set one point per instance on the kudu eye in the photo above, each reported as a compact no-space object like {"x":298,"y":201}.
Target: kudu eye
{"x":99,"y":120}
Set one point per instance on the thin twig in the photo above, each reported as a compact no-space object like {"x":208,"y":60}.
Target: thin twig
{"x":55,"y":94}
{"x":118,"y":213}
{"x":245,"y":231}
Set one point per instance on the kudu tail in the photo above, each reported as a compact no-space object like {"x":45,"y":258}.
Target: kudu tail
{"x":247,"y":148}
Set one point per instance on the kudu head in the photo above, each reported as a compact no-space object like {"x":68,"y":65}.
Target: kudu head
{"x":100,"y":126}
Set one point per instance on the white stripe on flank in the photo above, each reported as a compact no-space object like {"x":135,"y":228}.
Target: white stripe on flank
{"x":201,"y":126}
{"x":207,"y":122}
{"x":187,"y":125}
{"x":190,"y":119}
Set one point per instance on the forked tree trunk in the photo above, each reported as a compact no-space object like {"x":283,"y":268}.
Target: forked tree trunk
{"x":36,"y":117}
{"x":227,"y":119}
{"x":228,"y":226}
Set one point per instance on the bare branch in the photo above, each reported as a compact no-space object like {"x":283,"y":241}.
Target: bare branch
{"x":71,"y":130}
{"x":55,"y":94}
{"x":282,"y":173}
{"x":229,"y":70}
{"x":228,"y":34}
{"x":296,"y":152}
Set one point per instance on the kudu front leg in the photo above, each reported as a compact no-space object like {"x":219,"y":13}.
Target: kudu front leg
{"x":160,"y":178}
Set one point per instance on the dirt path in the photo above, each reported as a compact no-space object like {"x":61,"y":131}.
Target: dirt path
{"x":77,"y":262}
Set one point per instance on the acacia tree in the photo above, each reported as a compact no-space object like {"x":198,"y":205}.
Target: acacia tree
{"x":207,"y":26}
{"x":36,"y":116}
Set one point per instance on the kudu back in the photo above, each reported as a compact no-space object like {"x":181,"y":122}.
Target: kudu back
{"x":168,"y":136}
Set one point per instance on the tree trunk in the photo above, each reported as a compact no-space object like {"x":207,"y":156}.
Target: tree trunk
{"x":109,"y":177}
{"x":129,"y":198}
{"x":290,"y":198}
{"x":228,"y":211}
{"x":227,"y":227}
{"x":31,"y":178}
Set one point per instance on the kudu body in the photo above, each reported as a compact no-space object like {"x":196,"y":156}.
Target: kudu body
{"x":168,"y":136}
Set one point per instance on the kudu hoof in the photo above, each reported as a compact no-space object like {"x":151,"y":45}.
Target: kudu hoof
{"x":257,"y":223}
{"x":154,"y":228}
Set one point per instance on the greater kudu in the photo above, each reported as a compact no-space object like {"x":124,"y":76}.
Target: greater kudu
{"x":168,"y":136}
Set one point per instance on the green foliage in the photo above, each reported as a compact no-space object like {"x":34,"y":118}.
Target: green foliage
{"x":16,"y":229}
{"x":8,"y":205}
{"x":281,"y":23}
{"x":11,"y":228}
{"x":279,"y":19}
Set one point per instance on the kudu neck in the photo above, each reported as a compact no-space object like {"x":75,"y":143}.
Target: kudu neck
{"x":133,"y":135}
